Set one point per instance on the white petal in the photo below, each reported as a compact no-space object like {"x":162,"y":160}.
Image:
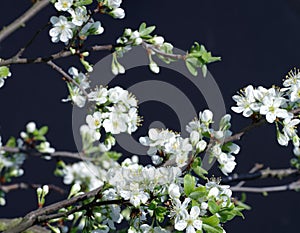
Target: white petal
{"x":181,"y":225}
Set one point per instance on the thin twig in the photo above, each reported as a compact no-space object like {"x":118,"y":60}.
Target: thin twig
{"x":66,"y":154}
{"x":31,"y":218}
{"x":256,"y":167}
{"x":288,"y":187}
{"x":11,"y":187}
{"x":168,"y":55}
{"x":6,"y":31}
{"x":263,"y":174}
{"x":68,"y":77}
{"x":61,"y":54}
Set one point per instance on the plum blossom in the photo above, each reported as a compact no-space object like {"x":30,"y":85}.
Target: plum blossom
{"x":246,"y":103}
{"x":94,"y":121}
{"x":63,"y":5}
{"x":79,"y":15}
{"x":272,"y":109}
{"x":62,"y":29}
{"x":190,"y":222}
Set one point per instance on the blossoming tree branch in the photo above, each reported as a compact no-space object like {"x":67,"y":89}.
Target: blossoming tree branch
{"x":172,"y":194}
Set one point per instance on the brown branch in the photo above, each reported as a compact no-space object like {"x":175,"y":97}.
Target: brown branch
{"x":263,"y":174}
{"x":168,"y":55}
{"x":288,"y":187}
{"x":256,"y":167}
{"x":6,"y":31}
{"x":11,"y":187}
{"x":65,"y":154}
{"x":32,"y":218}
{"x":67,"y":77}
{"x":62,"y":54}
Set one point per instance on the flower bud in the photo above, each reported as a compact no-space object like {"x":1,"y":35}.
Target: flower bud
{"x":30,"y":127}
{"x":117,"y":13}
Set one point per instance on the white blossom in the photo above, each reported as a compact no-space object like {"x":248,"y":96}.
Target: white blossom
{"x":114,"y":3}
{"x":30,"y":127}
{"x":62,"y":29}
{"x":94,"y":121}
{"x":190,"y":222}
{"x":79,"y":15}
{"x":63,"y":5}
{"x":246,"y":104}
{"x":117,"y":13}
{"x":271,"y":108}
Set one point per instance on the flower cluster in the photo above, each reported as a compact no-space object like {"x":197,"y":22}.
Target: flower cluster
{"x":76,"y":95}
{"x":166,"y":145}
{"x":78,"y":22}
{"x":219,"y":149}
{"x":115,"y":111}
{"x":114,"y":9}
{"x":277,"y":105}
{"x":143,"y":36}
{"x":136,"y":183}
{"x":35,"y":138}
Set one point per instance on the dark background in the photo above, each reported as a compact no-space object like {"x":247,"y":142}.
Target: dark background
{"x":258,"y":41}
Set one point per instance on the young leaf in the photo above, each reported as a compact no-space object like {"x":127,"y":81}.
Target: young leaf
{"x":189,"y":184}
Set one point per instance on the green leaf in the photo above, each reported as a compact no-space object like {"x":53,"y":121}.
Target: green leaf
{"x":204,"y":70}
{"x":160,"y":213}
{"x":83,"y":2}
{"x":113,"y":155}
{"x":189,"y":184}
{"x":11,"y":142}
{"x":228,"y":214}
{"x":43,"y":130}
{"x":142,"y":27}
{"x":212,"y":220}
{"x":191,"y":66}
{"x":201,"y":172}
{"x":213,"y":207}
{"x":4,"y":71}
{"x":147,"y":31}
{"x":40,"y":138}
{"x":212,"y":229}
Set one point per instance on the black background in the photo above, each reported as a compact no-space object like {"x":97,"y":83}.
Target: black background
{"x":258,"y":41}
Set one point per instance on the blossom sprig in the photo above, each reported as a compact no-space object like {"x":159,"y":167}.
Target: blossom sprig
{"x":34,"y":138}
{"x":115,"y":110}
{"x":277,"y":105}
{"x":75,"y":21}
{"x":76,"y":94}
{"x":41,"y":194}
{"x":112,"y":8}
{"x":10,"y":165}
{"x":166,"y":146}
{"x":197,"y":57}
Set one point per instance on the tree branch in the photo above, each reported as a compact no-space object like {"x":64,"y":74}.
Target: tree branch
{"x":68,"y":77}
{"x":156,"y":50}
{"x":11,"y":187}
{"x":6,"y":31}
{"x":62,"y":54}
{"x":73,"y":155}
{"x":266,"y":173}
{"x":288,"y":187}
{"x":32,"y":218}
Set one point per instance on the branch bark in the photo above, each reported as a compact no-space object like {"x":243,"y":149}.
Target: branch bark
{"x":73,"y":155}
{"x":288,"y":187}
{"x":6,"y":31}
{"x":266,"y":173}
{"x":62,"y":54}
{"x":11,"y":187}
{"x":50,"y":212}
